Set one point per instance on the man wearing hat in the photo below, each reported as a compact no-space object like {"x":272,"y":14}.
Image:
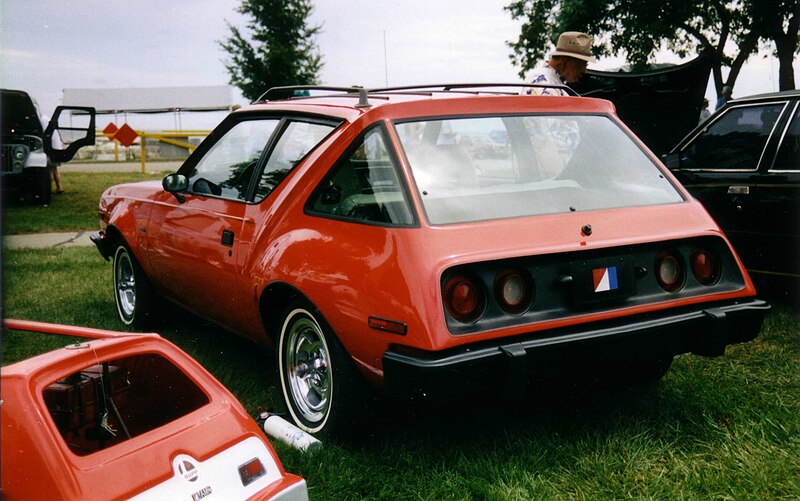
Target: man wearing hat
{"x":567,"y":64}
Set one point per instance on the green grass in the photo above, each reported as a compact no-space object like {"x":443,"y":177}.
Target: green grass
{"x":75,"y":209}
{"x":722,"y":428}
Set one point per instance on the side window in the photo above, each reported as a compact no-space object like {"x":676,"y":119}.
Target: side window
{"x":295,"y":142}
{"x":789,"y":155}
{"x":364,"y":185}
{"x":735,"y":141}
{"x":227,"y":168}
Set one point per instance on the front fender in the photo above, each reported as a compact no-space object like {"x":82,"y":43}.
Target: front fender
{"x":124,"y":221}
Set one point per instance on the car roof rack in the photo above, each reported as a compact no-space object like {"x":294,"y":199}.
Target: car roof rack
{"x":363,"y":94}
{"x":464,"y":87}
{"x":304,"y":91}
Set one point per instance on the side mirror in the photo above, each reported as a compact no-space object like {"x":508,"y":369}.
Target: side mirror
{"x":175,"y":183}
{"x":75,"y":129}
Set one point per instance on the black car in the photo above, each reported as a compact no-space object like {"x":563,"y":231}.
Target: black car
{"x":26,"y":147}
{"x":743,"y":164}
{"x":24,"y":163}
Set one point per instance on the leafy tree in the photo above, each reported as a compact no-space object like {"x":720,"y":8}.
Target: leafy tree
{"x":639,"y":29}
{"x":280,"y":49}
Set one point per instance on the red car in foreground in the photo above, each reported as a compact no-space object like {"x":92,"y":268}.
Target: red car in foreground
{"x":431,"y":241}
{"x":129,"y":416}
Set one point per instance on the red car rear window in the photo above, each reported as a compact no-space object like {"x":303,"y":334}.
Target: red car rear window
{"x":481,"y":168}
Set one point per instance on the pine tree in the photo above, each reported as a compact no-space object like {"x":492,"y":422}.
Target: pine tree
{"x":278,"y":48}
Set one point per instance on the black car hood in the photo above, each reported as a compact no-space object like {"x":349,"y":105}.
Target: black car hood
{"x":660,"y":106}
{"x":18,"y":115}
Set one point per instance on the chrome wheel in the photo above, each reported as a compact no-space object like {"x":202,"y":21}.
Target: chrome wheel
{"x":306,"y":372}
{"x":124,"y":285}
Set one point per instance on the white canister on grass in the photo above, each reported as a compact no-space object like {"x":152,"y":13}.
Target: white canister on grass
{"x":280,"y":429}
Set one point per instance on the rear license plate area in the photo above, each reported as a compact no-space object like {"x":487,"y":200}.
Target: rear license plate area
{"x":602,"y":280}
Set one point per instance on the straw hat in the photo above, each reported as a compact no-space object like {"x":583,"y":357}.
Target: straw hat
{"x":574,"y":44}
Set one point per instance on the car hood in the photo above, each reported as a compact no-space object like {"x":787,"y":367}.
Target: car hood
{"x":660,"y":106}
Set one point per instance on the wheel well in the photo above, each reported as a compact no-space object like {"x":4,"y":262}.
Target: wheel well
{"x":115,"y":236}
{"x":274,"y":301}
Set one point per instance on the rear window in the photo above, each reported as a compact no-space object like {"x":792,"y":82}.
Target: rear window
{"x":482,"y":168}
{"x":109,"y":403}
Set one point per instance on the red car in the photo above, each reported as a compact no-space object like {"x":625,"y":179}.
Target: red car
{"x":368,"y":236}
{"x":129,"y":416}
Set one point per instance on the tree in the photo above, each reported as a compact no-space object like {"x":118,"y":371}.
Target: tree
{"x":639,"y":29}
{"x":279,"y":51}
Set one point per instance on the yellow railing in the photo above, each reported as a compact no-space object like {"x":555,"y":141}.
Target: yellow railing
{"x":172,"y":137}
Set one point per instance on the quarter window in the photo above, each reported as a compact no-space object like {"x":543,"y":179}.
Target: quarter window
{"x":364,"y":185}
{"x":296,"y":141}
{"x":735,"y":141}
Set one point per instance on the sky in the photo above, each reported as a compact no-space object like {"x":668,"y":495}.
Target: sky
{"x":49,"y":45}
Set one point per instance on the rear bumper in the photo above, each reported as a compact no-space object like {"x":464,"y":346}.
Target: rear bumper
{"x":508,"y":364}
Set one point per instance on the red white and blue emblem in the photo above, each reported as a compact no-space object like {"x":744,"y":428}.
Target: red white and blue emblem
{"x":605,"y":279}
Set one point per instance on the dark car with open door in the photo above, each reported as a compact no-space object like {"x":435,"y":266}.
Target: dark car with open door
{"x":743,"y":164}
{"x":26,"y":147}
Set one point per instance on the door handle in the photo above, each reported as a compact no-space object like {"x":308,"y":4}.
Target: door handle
{"x":738,"y":190}
{"x":227,"y":238}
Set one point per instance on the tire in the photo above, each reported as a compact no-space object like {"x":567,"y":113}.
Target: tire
{"x":651,"y":371}
{"x":644,"y":372}
{"x":41,"y":186}
{"x":132,"y":293}
{"x":321,"y":387}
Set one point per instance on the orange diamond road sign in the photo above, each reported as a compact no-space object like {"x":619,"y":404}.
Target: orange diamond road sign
{"x":110,"y":129}
{"x":126,"y":135}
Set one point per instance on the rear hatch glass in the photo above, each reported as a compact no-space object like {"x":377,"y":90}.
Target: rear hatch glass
{"x":483,"y":168}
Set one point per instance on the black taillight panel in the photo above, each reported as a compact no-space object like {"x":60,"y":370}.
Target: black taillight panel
{"x":548,"y":287}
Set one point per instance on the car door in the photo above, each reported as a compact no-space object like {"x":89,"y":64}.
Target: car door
{"x":778,"y":195}
{"x":194,"y":243}
{"x":200,"y":246}
{"x":735,"y":169}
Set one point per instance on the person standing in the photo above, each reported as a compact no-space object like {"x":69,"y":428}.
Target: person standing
{"x":567,"y":64}
{"x":704,"y":113}
{"x":725,"y":97}
{"x":52,"y":166}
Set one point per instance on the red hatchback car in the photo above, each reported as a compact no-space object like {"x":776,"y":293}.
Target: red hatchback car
{"x":129,"y":416}
{"x":431,"y":241}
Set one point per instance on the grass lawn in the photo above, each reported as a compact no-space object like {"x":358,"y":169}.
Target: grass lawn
{"x":723,"y":428}
{"x":74,"y":210}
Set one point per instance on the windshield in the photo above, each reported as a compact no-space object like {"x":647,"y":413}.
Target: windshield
{"x":481,"y":168}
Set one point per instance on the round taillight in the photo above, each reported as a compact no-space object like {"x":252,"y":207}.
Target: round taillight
{"x":463,"y":299}
{"x":705,"y":267}
{"x":514,"y":291}
{"x":669,"y":272}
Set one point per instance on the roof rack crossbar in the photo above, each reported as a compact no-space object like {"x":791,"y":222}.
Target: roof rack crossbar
{"x":281,"y":92}
{"x":463,"y":86}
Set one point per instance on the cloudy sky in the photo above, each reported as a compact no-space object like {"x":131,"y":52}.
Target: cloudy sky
{"x":49,"y":45}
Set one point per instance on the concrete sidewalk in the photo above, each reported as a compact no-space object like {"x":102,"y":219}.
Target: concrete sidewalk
{"x":47,"y":240}
{"x":81,"y":238}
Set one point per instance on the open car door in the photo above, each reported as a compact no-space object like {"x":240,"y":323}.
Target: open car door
{"x":74,"y":126}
